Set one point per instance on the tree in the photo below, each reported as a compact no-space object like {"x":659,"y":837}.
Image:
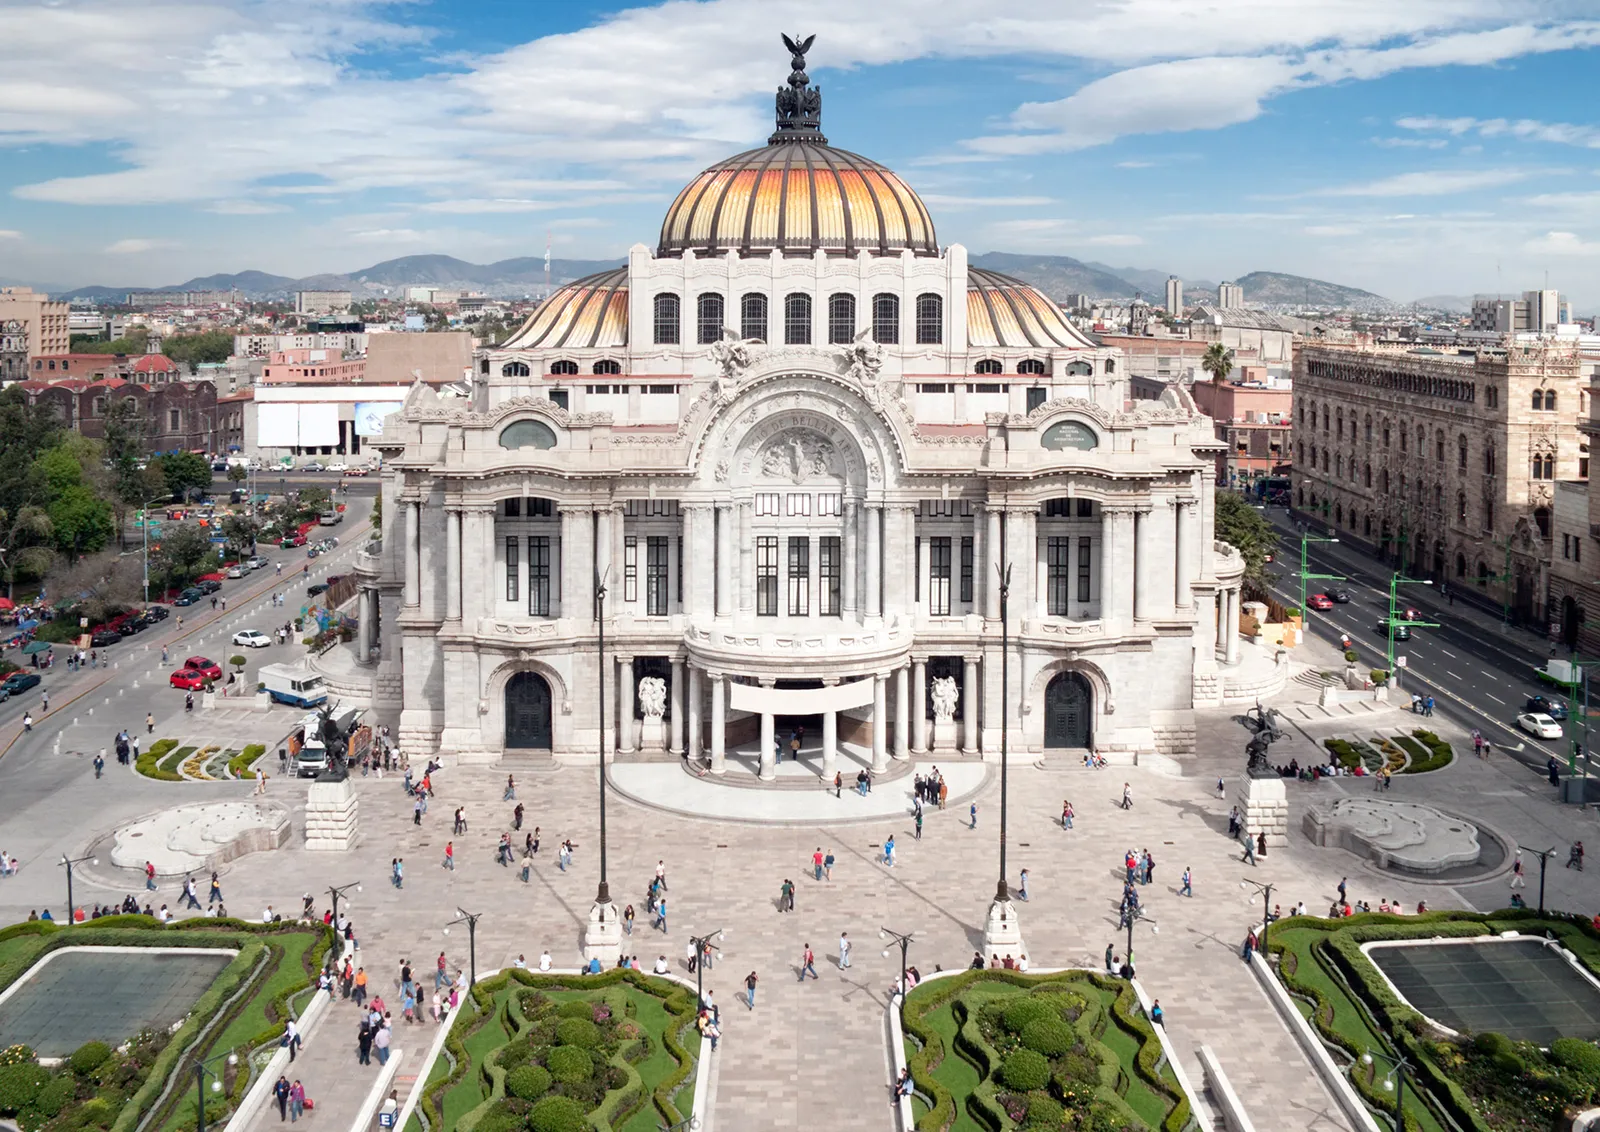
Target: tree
{"x":133,"y":341}
{"x":25,"y":431}
{"x":184,"y":470}
{"x":1217,"y":361}
{"x":314,"y":501}
{"x":1247,"y":531}
{"x":241,"y":532}
{"x":124,"y":445}
{"x":27,"y":535}
{"x":182,"y":555}
{"x":238,"y":473}
{"x":194,"y":349}
{"x":97,"y":585}
{"x":79,"y":517}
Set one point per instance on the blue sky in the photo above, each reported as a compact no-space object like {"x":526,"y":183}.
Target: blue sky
{"x":1424,"y":147}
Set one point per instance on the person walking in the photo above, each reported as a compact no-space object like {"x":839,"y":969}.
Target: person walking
{"x":627,"y":920}
{"x":297,"y":1101}
{"x":1127,"y":796}
{"x":808,"y":963}
{"x":516,"y":817}
{"x":816,"y":862}
{"x":1517,"y":879}
{"x":416,"y":809}
{"x":1022,"y":886}
{"x":661,"y":914}
{"x":364,"y":1042}
{"x":661,"y":874}
{"x":216,"y":889}
{"x":381,"y":1039}
{"x":149,"y":723}
{"x":750,"y":990}
{"x":440,"y":972}
{"x":398,"y":865}
{"x":1575,"y":856}
{"x":450,"y":855}
{"x":888,"y":852}
{"x":844,"y":950}
{"x":827,"y":867}
{"x":1188,"y":883}
{"x":191,"y":899}
{"x":1066,"y":814}
{"x":1250,"y":854}
{"x":919,"y":822}
{"x":786,"y":896}
{"x":150,"y":875}
{"x":1342,"y":882}
{"x":1222,"y":790}
{"x":99,"y":765}
{"x":510,"y":794}
{"x":280,"y":1092}
{"x":972,"y":816}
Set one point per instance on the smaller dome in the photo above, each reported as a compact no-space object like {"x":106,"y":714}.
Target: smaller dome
{"x":589,"y":312}
{"x":154,"y":363}
{"x":1007,"y":313}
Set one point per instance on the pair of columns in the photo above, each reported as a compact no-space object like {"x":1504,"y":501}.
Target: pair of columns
{"x":919,"y":700}
{"x":1229,"y":606}
{"x":366,"y":621}
{"x":468,"y":530}
{"x":627,"y":735}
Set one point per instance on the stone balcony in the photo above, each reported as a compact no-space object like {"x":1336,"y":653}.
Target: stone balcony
{"x":797,"y":650}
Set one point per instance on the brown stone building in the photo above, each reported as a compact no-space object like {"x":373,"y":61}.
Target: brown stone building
{"x":1575,"y":554}
{"x":179,"y":416}
{"x":1445,"y":464}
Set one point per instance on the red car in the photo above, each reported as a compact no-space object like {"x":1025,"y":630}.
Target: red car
{"x":1320,"y":601}
{"x":190,"y":679}
{"x":207,"y":668}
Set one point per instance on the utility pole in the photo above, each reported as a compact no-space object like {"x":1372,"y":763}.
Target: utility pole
{"x":1395,"y":581}
{"x":1544,"y":856}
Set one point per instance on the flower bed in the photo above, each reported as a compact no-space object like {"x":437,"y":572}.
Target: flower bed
{"x":151,"y":763}
{"x":1000,"y":1050}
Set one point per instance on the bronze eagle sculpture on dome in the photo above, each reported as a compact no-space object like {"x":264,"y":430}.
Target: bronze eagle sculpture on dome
{"x":799,"y":104}
{"x":798,"y":51}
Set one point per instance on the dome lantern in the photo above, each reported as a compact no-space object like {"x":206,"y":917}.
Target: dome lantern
{"x":799,"y":104}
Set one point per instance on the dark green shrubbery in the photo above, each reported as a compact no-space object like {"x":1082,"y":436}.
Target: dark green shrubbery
{"x":1025,"y":1070}
{"x":569,"y":1064}
{"x":1044,"y":1112}
{"x":577,"y":1032}
{"x":1577,"y":1055}
{"x":557,"y":1114}
{"x":1019,"y":1015}
{"x":20,"y":1086}
{"x":88,"y":1057}
{"x":528,"y":1082}
{"x":576,"y":1008}
{"x":1049,"y":1036}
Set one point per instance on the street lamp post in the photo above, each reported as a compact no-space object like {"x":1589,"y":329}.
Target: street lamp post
{"x":337,"y":891}
{"x":1002,"y":892}
{"x":471,"y":920}
{"x":1135,"y":915}
{"x":1266,"y":910}
{"x":145,"y":509}
{"x":1397,"y":1082}
{"x":201,"y":1072}
{"x":700,"y":943}
{"x":67,"y":862}
{"x":905,"y":940}
{"x":1544,"y":856}
{"x":1396,"y":580}
{"x":603,"y":936}
{"x":1306,"y":539}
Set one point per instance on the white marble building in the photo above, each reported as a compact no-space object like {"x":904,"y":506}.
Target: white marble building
{"x":798,"y":440}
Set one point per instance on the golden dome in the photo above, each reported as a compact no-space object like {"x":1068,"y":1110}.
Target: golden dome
{"x":1008,"y":313}
{"x":588,"y":312}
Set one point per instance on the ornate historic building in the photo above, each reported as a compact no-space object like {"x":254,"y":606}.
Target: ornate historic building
{"x":1444,"y":463}
{"x":798,"y":441}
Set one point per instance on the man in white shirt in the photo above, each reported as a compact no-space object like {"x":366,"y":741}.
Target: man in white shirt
{"x":844,"y":950}
{"x":266,"y":917}
{"x":661,"y":966}
{"x":521,"y":962}
{"x":544,"y":961}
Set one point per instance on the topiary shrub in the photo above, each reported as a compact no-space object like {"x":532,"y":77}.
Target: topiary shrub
{"x":1351,"y":656}
{"x":1049,"y":1036}
{"x":20,"y":1086}
{"x":55,"y":1096}
{"x":1490,"y":1043}
{"x":557,"y":1114}
{"x":569,"y":1064}
{"x":1577,"y":1055}
{"x":529,"y":1082}
{"x":1019,"y":1015}
{"x":1044,"y":1112}
{"x":88,"y":1057}
{"x":1025,"y":1070}
{"x":17,"y":1054}
{"x":576,"y":1008}
{"x":578,"y":1032}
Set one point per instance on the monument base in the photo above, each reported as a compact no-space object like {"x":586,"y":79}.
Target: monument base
{"x":1264,"y":805}
{"x":331,"y":816}
{"x":946,"y":735}
{"x":652,"y":734}
{"x":602,"y":936}
{"x":1002,"y":932}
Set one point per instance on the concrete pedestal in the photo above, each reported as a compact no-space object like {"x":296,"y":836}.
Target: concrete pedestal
{"x":1264,"y":802}
{"x":602,"y":936}
{"x":1002,"y":931}
{"x":946,"y":735}
{"x":652,"y":734}
{"x":331,"y":817}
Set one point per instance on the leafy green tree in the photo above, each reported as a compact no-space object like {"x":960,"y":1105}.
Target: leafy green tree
{"x":241,"y":532}
{"x":79,"y":517}
{"x":25,"y":432}
{"x":98,"y":586}
{"x":28,"y":535}
{"x":238,"y":473}
{"x":208,"y":346}
{"x":314,"y":501}
{"x":1217,"y":361}
{"x":133,"y":341}
{"x":1245,"y":529}
{"x":184,"y":470}
{"x":182,"y":555}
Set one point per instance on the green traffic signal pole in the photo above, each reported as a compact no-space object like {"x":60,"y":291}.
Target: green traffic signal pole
{"x":1579,"y":741}
{"x":1396,"y":580}
{"x":1305,"y":568}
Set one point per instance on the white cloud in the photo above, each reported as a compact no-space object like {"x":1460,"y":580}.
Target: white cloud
{"x":1522,"y":129}
{"x":245,"y":208}
{"x":1429,"y":182}
{"x":958,"y":202}
{"x":10,"y":234}
{"x":1114,"y":240}
{"x":135,"y":245}
{"x":1136,"y":165}
{"x":1562,"y":243}
{"x":1411,"y":143}
{"x":1332,"y":230}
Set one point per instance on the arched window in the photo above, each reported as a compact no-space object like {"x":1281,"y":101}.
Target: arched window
{"x":1403,"y":435}
{"x":1550,"y":401}
{"x":1030,"y":365}
{"x":709,"y":318}
{"x":1461,"y":565}
{"x":1438,"y":497}
{"x":515,"y":369}
{"x":797,"y":319}
{"x":1491,"y":397}
{"x":1538,"y":398}
{"x":667,"y":318}
{"x":841,"y":318}
{"x":1338,"y":427}
{"x":1079,"y":368}
{"x":1367,"y":470}
{"x":753,"y":316}
{"x":483,"y":367}
{"x":1338,"y":514}
{"x":1338,"y":466}
{"x":1488,"y":460}
{"x":930,"y":319}
{"x":563,"y":367}
{"x":1366,"y":525}
{"x":527,"y":434}
{"x":1386,"y":436}
{"x":1483,"y":573}
{"x":988,"y":365}
{"x":1367,"y":425}
{"x":1301,"y":493}
{"x":1461,"y":453}
{"x":1438,"y":447}
{"x":1324,"y":461}
{"x":1111,"y":365}
{"x":1541,"y":516}
{"x":886,"y":319}
{"x":607,"y":366}
{"x":1383,"y":481}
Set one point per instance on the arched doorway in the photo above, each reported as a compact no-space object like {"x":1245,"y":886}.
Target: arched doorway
{"x":527,"y":712}
{"x":1068,"y":711}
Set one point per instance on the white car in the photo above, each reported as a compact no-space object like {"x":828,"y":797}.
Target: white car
{"x":252,"y":638}
{"x":257,"y":562}
{"x":238,"y":571}
{"x":1539,"y":725}
{"x":339,"y":467}
{"x":313,"y":466}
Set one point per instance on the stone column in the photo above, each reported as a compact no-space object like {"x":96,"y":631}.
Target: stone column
{"x":1185,"y":534}
{"x":413,"y":530}
{"x":675,"y":698}
{"x":577,"y":563}
{"x":625,"y":692}
{"x":919,"y":705}
{"x":747,"y":560}
{"x":719,"y":722}
{"x":1142,"y":550}
{"x":697,"y":586}
{"x":905,"y":558}
{"x":1232,"y":626}
{"x":852,"y":564}
{"x":969,"y":705}
{"x":990,"y":563}
{"x":364,"y":625}
{"x":452,"y":564}
{"x":695,"y":694}
{"x":902,"y":714}
{"x":880,"y":719}
{"x":1116,"y":569}
{"x":477,"y":594}
{"x":873,"y":517}
{"x":830,"y":735}
{"x":724,"y":532}
{"x":768,"y":740}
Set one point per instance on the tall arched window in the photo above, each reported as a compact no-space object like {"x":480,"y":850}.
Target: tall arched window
{"x":1550,"y":401}
{"x":1368,"y":429}
{"x":1461,"y":453}
{"x":886,"y":319}
{"x":930,"y":319}
{"x":1461,"y":565}
{"x":1367,"y":469}
{"x":797,"y":319}
{"x":1030,"y":365}
{"x":1438,"y":446}
{"x":667,"y":319}
{"x":753,"y":316}
{"x":709,"y":318}
{"x":1538,"y":399}
{"x":841,"y":318}
{"x":1488,"y":460}
{"x":1461,"y":506}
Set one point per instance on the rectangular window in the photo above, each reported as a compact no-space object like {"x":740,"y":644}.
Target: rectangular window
{"x":1085,"y":508}
{"x":799,"y":576}
{"x":540,"y":508}
{"x":766,"y":503}
{"x":630,"y":568}
{"x":539,"y":576}
{"x":558,"y":398}
{"x":1059,"y":559}
{"x":680,"y":571}
{"x":1085,"y":553}
{"x":767,"y":575}
{"x":986,"y":387}
{"x":1058,"y":508}
{"x":966,"y":568}
{"x":1036,"y":396}
{"x":799,"y":503}
{"x":1566,"y":546}
{"x":513,"y":508}
{"x":797,"y":320}
{"x":513,"y":568}
{"x":939,"y":577}
{"x":830,"y":559}
{"x":655,"y":576}
{"x":828,"y":503}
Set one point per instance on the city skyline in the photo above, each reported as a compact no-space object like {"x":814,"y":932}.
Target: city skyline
{"x":1408,"y":150}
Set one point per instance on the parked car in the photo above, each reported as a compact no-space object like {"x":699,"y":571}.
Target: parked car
{"x":189,"y":596}
{"x":188,"y":679}
{"x":104,"y":638}
{"x":316,"y":588}
{"x":158,"y":612}
{"x":313,"y":466}
{"x":292,"y":541}
{"x":1544,"y":705}
{"x":1320,"y":601}
{"x":208,"y":585}
{"x":257,"y":562}
{"x":1340,"y":596}
{"x":355,"y":472}
{"x":1539,"y":725}
{"x":252,"y":638}
{"x":133,"y":624}
{"x":238,"y":571}
{"x":1402,"y":632}
{"x":204,"y":666}
{"x":338,"y":466}
{"x":17,"y":683}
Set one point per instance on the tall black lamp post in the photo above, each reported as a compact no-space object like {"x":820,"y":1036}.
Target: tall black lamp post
{"x":202,"y":1070}
{"x":67,"y":863}
{"x":1002,"y":892}
{"x":1266,"y":910}
{"x":602,"y":896}
{"x":1544,"y":856}
{"x":337,"y":891}
{"x":905,"y":940}
{"x":471,"y":920}
{"x":700,"y":943}
{"x":1396,"y":1081}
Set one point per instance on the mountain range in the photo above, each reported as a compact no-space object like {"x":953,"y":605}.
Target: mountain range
{"x":1056,"y":275}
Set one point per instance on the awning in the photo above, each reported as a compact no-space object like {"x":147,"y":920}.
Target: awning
{"x":7,"y":603}
{"x":36,"y":646}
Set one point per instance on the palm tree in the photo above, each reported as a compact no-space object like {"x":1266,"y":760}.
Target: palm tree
{"x":1217,"y":361}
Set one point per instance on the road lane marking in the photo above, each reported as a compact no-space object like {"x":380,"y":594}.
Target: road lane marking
{"x":1449,"y":654}
{"x":1491,"y":675}
{"x":1496,"y":699}
{"x":1452,"y":675}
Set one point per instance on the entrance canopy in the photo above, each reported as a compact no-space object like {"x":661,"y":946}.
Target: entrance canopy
{"x":799,"y":701}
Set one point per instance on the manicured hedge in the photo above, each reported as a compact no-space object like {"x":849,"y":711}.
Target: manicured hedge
{"x":149,"y":762}
{"x":1438,"y":752}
